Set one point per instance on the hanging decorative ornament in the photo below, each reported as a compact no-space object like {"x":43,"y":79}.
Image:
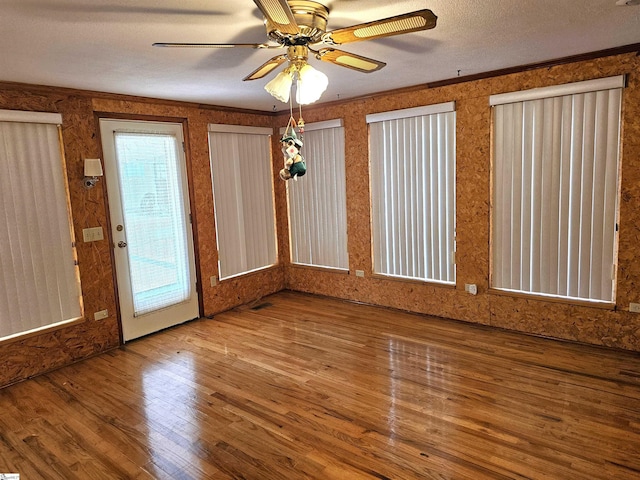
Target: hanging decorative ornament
{"x":294,"y":164}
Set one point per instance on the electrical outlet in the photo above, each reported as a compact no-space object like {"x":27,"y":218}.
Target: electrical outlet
{"x":100,"y":315}
{"x":471,"y":288}
{"x":634,"y":307}
{"x":213,"y":280}
{"x":360,"y":273}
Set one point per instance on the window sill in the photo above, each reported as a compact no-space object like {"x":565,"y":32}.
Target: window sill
{"x":18,"y":337}
{"x":256,"y":271}
{"x":429,"y":283}
{"x":319,"y":268}
{"x":547,"y":298}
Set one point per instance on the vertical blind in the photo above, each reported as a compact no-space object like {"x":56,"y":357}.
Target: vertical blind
{"x":555,"y":190}
{"x":317,"y":201}
{"x":412,"y":154}
{"x":243,"y":198}
{"x":39,"y":281}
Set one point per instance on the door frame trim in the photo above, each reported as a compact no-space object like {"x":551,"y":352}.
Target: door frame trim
{"x":190,"y":194}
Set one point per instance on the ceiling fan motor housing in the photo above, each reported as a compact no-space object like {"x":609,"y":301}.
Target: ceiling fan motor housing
{"x":311,"y":18}
{"x":298,"y":55}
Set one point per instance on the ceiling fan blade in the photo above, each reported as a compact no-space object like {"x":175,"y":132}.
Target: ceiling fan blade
{"x":266,"y":68}
{"x":349,"y":60}
{"x":215,"y":45}
{"x":409,"y":22}
{"x":279,"y":14}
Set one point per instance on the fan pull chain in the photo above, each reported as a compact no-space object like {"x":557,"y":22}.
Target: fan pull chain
{"x":290,"y":108}
{"x":291,"y":123}
{"x":300,"y":121}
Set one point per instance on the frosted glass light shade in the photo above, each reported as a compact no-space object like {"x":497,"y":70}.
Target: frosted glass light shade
{"x":280,"y":87}
{"x":311,"y":85}
{"x":92,"y":167}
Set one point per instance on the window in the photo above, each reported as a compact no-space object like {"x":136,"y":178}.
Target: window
{"x":243,"y":198}
{"x":39,"y":280}
{"x":317,"y":201}
{"x":412,"y":154}
{"x":153,"y":194}
{"x":555,"y":189}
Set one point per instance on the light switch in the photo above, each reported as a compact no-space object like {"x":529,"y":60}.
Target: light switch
{"x":92,"y":234}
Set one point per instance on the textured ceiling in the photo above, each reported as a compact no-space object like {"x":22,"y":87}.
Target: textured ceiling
{"x":106,"y":45}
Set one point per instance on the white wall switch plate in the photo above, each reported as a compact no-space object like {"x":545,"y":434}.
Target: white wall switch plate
{"x":100,"y":315}
{"x":92,"y":234}
{"x":360,"y":273}
{"x":634,"y":307}
{"x":213,"y":280}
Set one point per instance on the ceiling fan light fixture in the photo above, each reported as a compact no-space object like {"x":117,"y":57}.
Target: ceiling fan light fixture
{"x":298,"y":25}
{"x":311,"y":84}
{"x":280,"y":86}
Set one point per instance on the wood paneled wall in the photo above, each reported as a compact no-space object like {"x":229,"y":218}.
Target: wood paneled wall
{"x":615,"y":328}
{"x":81,"y":110}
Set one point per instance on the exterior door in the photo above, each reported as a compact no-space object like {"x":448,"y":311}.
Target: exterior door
{"x":150,"y":223}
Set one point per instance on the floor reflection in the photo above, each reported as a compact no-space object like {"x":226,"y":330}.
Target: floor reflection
{"x":416,"y":371}
{"x":171,"y":409}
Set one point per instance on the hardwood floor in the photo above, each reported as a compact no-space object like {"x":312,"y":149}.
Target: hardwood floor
{"x":307,"y":387}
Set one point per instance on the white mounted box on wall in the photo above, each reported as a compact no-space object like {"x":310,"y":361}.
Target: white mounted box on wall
{"x":92,"y":234}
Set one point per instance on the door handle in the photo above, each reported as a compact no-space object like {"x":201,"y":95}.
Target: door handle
{"x":122,"y":244}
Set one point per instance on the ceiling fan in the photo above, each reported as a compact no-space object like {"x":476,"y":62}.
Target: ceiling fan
{"x":299,"y":25}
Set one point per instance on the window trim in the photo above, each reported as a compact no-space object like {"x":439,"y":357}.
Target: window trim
{"x":50,"y":118}
{"x":408,"y":113}
{"x":244,"y":130}
{"x":310,"y":127}
{"x":542,"y":93}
